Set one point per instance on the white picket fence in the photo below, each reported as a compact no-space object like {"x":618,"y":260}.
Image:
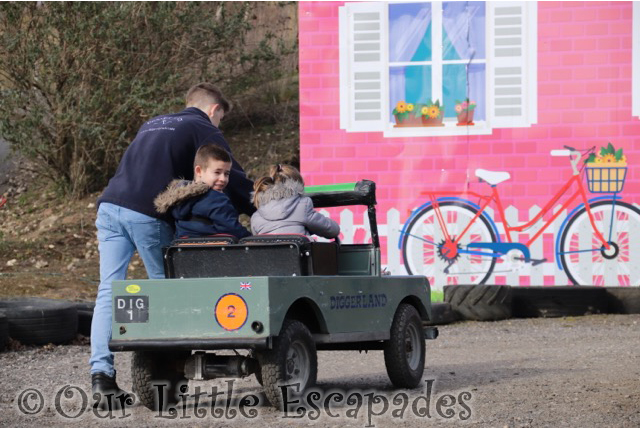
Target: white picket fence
{"x":389,"y":226}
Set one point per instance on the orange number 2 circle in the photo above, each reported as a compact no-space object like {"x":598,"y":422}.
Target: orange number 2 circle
{"x":231,"y":311}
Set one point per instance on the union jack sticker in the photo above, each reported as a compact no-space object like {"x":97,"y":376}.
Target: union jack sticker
{"x":245,"y":286}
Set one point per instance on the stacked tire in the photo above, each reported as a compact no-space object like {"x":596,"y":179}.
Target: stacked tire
{"x":558,"y":301}
{"x":85,"y":316}
{"x":479,"y":302}
{"x":4,"y":331}
{"x":38,"y":321}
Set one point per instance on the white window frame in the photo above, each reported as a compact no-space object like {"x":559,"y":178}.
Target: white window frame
{"x":635,"y":62}
{"x":484,"y":127}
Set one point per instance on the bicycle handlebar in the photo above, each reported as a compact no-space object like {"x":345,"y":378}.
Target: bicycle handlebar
{"x":574,"y":156}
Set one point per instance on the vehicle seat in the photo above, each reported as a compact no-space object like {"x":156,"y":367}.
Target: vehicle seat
{"x":319,"y":258}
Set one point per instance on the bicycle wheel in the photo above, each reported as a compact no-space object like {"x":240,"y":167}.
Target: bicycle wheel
{"x":617,"y":266}
{"x":422,"y":246}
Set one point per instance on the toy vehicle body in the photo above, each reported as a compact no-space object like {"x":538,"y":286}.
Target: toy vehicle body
{"x":282,"y":297}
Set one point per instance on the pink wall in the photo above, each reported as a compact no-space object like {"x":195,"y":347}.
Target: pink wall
{"x":584,"y":99}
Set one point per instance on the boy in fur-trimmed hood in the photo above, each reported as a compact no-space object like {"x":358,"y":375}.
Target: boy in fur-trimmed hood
{"x":199,"y":207}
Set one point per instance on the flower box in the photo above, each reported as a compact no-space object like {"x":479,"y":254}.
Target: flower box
{"x":418,"y":115}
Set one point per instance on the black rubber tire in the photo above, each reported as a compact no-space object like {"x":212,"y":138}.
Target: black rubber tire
{"x":552,"y":302}
{"x":273,"y":362}
{"x":37,"y":321}
{"x":4,"y":331}
{"x":85,"y":317}
{"x":258,"y":375}
{"x":149,"y":369}
{"x":406,"y":334}
{"x":479,"y":302}
{"x":258,"y":372}
{"x":441,"y":313}
{"x":623,"y":300}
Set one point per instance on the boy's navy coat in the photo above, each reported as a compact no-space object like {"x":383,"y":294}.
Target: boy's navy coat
{"x":199,"y":210}
{"x":164,"y":150}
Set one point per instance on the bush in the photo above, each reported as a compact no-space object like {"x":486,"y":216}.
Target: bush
{"x":78,"y":79}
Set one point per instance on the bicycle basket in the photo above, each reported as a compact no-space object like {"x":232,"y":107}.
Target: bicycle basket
{"x":606,"y":179}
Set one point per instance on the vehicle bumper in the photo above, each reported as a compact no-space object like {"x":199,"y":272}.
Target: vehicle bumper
{"x":188,"y":344}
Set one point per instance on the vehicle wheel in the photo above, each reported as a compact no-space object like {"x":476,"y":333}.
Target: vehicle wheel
{"x":404,"y":352}
{"x":620,"y":265}
{"x":292,"y":360}
{"x":258,"y":373}
{"x":4,"y":331}
{"x":150,"y":370}
{"x":37,"y":321}
{"x":85,"y":316}
{"x":422,"y":246}
{"x":479,"y":302}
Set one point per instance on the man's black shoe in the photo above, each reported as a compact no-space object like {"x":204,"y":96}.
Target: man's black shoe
{"x":108,"y":391}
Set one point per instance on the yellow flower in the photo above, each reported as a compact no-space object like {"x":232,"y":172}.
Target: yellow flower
{"x":424,"y":111}
{"x":409,"y":107}
{"x":401,"y":106}
{"x":623,"y":158}
{"x":609,"y":158}
{"x":599,"y":159}
{"x":433,"y":112}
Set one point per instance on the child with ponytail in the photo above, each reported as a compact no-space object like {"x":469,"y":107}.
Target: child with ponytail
{"x":282,"y":208}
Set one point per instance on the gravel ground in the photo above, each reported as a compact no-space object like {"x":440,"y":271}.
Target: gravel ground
{"x":574,"y":372}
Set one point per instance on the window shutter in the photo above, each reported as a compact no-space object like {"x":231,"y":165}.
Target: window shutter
{"x":363,"y":73}
{"x":513,"y":53}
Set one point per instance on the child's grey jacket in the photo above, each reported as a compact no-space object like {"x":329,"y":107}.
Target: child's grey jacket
{"x":283,"y":209}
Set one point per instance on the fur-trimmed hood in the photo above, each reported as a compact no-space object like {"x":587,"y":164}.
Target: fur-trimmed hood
{"x":288,"y":189}
{"x":177,"y":192}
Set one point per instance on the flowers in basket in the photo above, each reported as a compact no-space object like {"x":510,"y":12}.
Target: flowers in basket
{"x":464,"y":111}
{"x":607,"y":156}
{"x":606,"y":170}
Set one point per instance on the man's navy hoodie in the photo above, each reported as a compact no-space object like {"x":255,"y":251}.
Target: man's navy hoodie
{"x":164,"y":150}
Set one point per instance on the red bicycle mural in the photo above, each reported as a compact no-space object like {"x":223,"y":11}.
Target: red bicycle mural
{"x":452,"y":239}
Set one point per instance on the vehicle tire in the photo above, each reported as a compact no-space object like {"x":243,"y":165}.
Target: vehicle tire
{"x":553,"y":302}
{"x":618,"y":266}
{"x":404,"y":352}
{"x":258,"y":375}
{"x":85,"y":317}
{"x":293,"y":359}
{"x":422,"y":251}
{"x":479,"y":302}
{"x":150,"y":370}
{"x":258,"y":372}
{"x":4,"y":331}
{"x":37,"y":321}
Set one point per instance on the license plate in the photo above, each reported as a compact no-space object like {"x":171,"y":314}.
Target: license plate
{"x":131,"y":309}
